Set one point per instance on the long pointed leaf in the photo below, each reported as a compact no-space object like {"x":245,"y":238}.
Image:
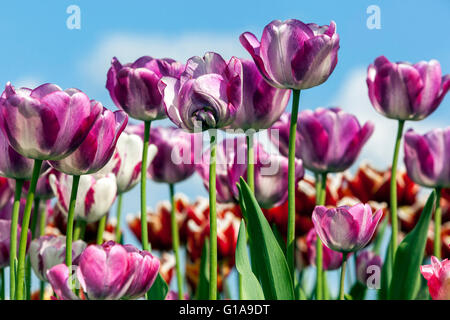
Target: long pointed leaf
{"x":408,"y":258}
{"x":251,"y":289}
{"x":203,"y":280}
{"x":264,"y":248}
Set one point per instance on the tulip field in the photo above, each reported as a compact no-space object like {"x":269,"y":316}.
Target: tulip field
{"x":296,"y":215}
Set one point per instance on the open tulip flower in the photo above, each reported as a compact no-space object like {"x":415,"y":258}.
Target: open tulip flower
{"x":207,"y":95}
{"x":95,"y":195}
{"x":438,"y":276}
{"x":107,"y":272}
{"x":294,"y":55}
{"x":346,"y":229}
{"x":405,"y":91}
{"x":49,"y":251}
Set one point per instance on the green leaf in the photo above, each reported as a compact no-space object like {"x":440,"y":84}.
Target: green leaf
{"x":408,"y":258}
{"x":300,"y":293}
{"x":159,"y":289}
{"x":386,"y":275}
{"x":358,"y":291}
{"x":251,"y":289}
{"x":203,"y":281}
{"x":272,"y":268}
{"x":347,"y":296}
{"x":279,"y":237}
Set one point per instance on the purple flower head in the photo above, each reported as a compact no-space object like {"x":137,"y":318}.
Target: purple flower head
{"x":365,"y":262}
{"x":294,"y":55}
{"x":207,"y":95}
{"x":332,"y":260}
{"x":134,"y":87}
{"x":346,"y":229}
{"x":427,"y":157}
{"x":405,"y":91}
{"x":46,"y":123}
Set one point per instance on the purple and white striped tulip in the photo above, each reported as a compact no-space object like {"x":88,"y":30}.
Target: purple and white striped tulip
{"x":134,"y":86}
{"x":5,"y":241}
{"x":330,"y":140}
{"x":346,"y":229}
{"x":262,"y":104}
{"x":405,"y":91}
{"x":364,"y":262}
{"x":12,"y":164}
{"x":207,"y":95}
{"x":127,"y":159}
{"x":427,"y":157}
{"x":294,"y":55}
{"x":107,"y":272}
{"x":98,"y":147}
{"x":46,"y":123}
{"x":95,"y":196}
{"x":174,"y":161}
{"x":50,"y":250}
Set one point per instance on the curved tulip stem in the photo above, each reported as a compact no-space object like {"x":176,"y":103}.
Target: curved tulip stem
{"x":119,"y":214}
{"x":144,"y":230}
{"x":250,"y":162}
{"x":13,"y":243}
{"x":175,"y":241}
{"x":212,"y":222}
{"x":101,"y":229}
{"x":437,"y":225}
{"x":393,"y":204}
{"x":70,"y":220}
{"x":24,"y":232}
{"x":344,"y":264}
{"x":290,"y":244}
{"x":321,"y":189}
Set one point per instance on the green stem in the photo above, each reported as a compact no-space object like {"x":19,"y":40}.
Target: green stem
{"x":41,"y":290}
{"x":290,"y":244}
{"x":144,"y":230}
{"x":2,"y":284}
{"x":13,"y":243}
{"x":101,"y":229}
{"x":70,"y":220}
{"x":34,"y":220}
{"x":24,"y":232}
{"x":344,"y":264}
{"x":42,"y":225}
{"x":321,"y":185}
{"x":250,"y":162}
{"x":213,"y":222}
{"x":393,"y":205}
{"x":437,"y":225}
{"x":175,"y":241}
{"x":119,"y":213}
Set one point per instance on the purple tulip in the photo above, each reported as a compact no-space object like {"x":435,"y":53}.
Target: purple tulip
{"x":107,"y":272}
{"x":271,"y":172}
{"x":95,"y":196}
{"x":365,"y":261}
{"x":48,"y":251}
{"x":46,"y":123}
{"x":427,"y":157}
{"x":330,"y":139}
{"x":262,"y":104}
{"x":279,"y":135}
{"x":5,"y":231}
{"x":174,"y":161}
{"x":98,"y":147}
{"x":404,"y":91}
{"x":6,"y":191}
{"x":207,"y":95}
{"x":346,"y":229}
{"x":134,"y":86}
{"x":145,"y":268}
{"x":332,"y":260}
{"x":125,"y":164}
{"x":294,"y":55}
{"x":12,"y":164}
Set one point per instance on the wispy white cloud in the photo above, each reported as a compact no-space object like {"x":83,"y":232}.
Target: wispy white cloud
{"x":128,"y":47}
{"x":352,"y":97}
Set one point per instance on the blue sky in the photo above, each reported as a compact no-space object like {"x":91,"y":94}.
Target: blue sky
{"x":38,"y":47}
